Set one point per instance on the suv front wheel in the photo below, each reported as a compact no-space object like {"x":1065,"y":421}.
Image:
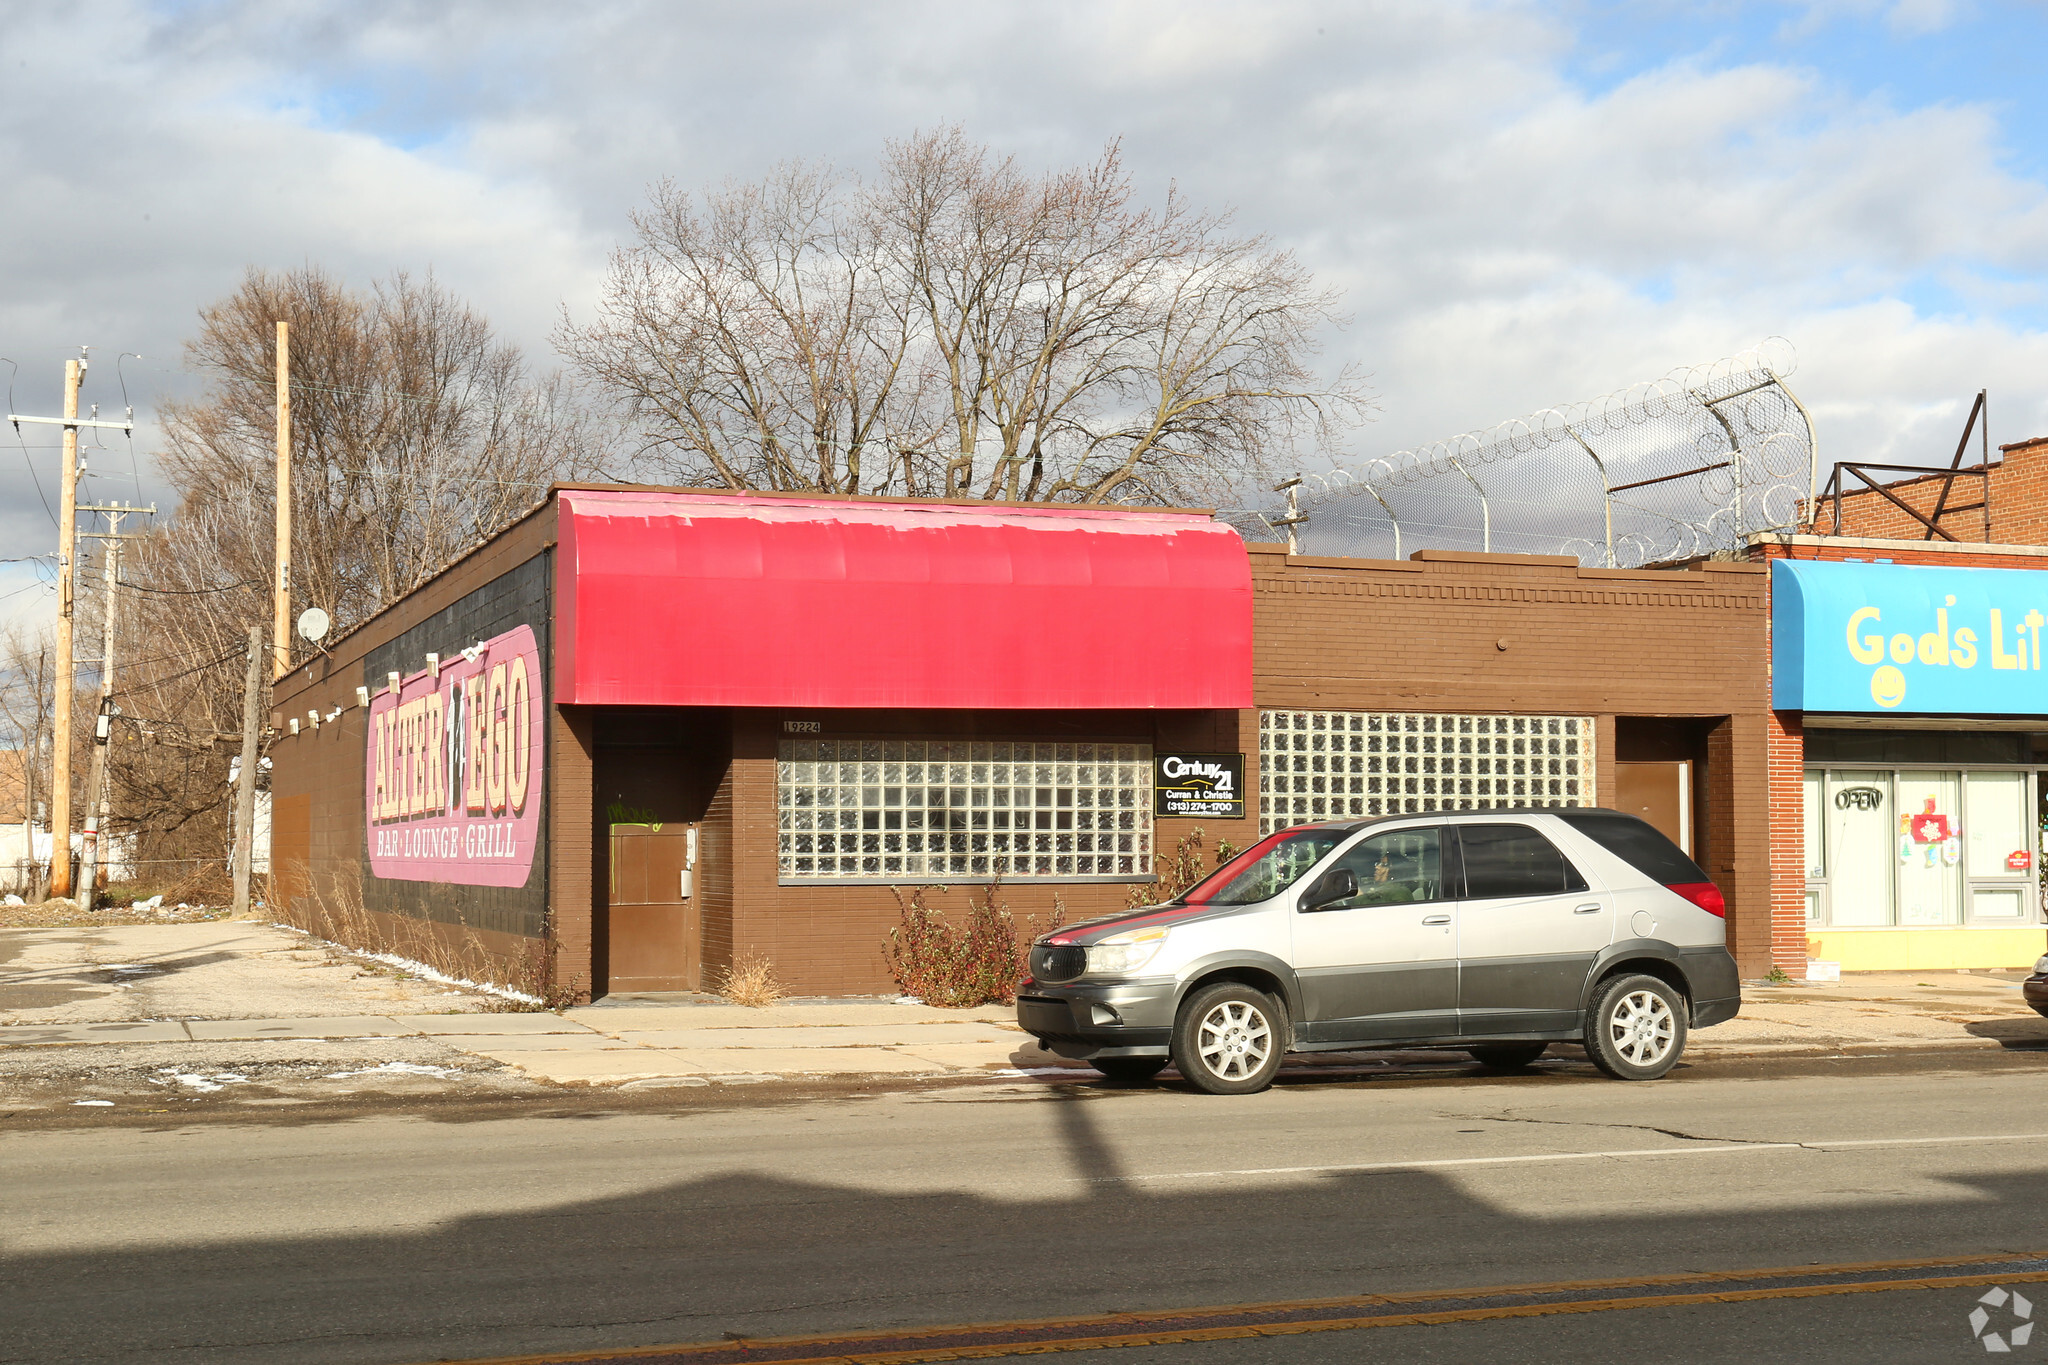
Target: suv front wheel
{"x":1636,"y":1028}
{"x":1229,"y":1038}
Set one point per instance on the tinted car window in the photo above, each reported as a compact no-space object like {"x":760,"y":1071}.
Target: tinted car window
{"x":1639,"y":844}
{"x":1514,"y":860}
{"x":1266,"y":868}
{"x":1399,"y":868}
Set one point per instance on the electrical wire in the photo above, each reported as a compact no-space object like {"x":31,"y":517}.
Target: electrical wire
{"x":187,"y":592}
{"x":24,"y":448}
{"x":134,"y":467}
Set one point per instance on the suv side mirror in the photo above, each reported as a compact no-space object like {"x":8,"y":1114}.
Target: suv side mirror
{"x":1338,"y":884}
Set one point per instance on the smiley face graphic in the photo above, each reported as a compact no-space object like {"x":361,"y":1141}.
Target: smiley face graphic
{"x":1887,"y":687}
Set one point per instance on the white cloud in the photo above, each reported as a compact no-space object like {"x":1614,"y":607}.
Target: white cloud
{"x":1507,"y":239}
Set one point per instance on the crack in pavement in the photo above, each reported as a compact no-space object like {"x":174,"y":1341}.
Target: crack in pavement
{"x":1678,"y":1133}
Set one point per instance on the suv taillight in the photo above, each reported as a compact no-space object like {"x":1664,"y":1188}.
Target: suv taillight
{"x":1705,"y":895}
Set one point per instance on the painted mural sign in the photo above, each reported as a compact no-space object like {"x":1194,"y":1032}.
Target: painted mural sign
{"x":1907,"y":638}
{"x":452,"y":777}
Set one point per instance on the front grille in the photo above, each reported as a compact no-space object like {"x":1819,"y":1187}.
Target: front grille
{"x":1057,"y":962}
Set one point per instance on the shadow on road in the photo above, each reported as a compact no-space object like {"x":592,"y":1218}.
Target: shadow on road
{"x":713,"y":1253}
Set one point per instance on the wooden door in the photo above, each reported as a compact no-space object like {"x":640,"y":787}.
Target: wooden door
{"x":1660,"y":793}
{"x":655,"y":932}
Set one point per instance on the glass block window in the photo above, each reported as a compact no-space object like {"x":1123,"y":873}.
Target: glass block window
{"x":895,"y":810}
{"x":1326,"y":765}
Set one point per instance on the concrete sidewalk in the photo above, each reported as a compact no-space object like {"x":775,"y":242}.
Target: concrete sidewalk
{"x":612,"y":1044}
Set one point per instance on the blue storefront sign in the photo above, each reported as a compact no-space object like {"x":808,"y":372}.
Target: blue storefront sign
{"x":1907,"y":638}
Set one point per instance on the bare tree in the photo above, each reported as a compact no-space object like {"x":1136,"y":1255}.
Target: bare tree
{"x":28,"y":678}
{"x":416,"y":434}
{"x":961,"y":328}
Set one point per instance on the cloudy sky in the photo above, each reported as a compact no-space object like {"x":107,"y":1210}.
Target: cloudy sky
{"x":1524,"y":204}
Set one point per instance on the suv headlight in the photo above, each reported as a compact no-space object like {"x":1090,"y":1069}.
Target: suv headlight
{"x":1124,"y":953}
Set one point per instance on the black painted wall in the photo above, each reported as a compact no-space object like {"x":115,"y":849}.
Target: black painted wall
{"x":522,"y":597}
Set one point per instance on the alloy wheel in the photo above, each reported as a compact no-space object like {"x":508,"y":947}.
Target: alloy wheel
{"x":1234,"y":1039}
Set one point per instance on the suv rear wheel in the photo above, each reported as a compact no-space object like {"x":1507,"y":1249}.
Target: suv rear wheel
{"x":1636,"y":1028}
{"x":1228,"y":1039}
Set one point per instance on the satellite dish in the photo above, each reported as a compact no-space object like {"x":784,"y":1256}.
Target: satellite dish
{"x":313,"y":625}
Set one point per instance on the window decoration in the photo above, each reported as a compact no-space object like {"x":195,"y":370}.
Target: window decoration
{"x":1326,"y":765}
{"x":963,"y":810}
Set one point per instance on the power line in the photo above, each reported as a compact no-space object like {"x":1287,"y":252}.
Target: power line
{"x":40,"y":495}
{"x":189,"y":592}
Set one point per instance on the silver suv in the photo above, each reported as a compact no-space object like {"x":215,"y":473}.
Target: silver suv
{"x":1498,"y":932}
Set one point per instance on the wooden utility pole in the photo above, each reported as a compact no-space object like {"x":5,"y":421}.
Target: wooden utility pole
{"x":60,"y":726}
{"x":281,"y":612}
{"x":91,"y":847}
{"x":245,"y":780}
{"x":67,"y":542}
{"x":96,"y":785}
{"x":32,"y":877}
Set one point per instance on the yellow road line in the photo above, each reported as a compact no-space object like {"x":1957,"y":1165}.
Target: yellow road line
{"x":940,"y":1349}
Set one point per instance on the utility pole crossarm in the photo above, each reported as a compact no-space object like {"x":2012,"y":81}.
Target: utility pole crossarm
{"x":73,"y":422}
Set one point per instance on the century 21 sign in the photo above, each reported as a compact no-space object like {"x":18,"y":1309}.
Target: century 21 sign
{"x":1908,"y":638}
{"x":453,"y":768}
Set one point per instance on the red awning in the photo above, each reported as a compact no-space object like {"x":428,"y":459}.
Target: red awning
{"x":696,"y":599}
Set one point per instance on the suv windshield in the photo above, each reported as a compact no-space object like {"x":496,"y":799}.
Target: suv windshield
{"x":1266,"y":868}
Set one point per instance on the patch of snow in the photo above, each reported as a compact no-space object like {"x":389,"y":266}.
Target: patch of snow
{"x":422,"y":970}
{"x":205,"y":1084}
{"x":11,"y":899}
{"x":395,"y":1069}
{"x":908,"y":1000}
{"x":665,"y":1083}
{"x":1037,"y":1071}
{"x":152,"y":903}
{"x":104,"y":1104}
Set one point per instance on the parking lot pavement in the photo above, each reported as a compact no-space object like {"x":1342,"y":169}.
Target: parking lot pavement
{"x":220,"y":969}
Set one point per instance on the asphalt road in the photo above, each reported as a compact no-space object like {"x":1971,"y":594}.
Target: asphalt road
{"x":458,"y":1233}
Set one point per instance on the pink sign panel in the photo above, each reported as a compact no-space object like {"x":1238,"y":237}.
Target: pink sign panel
{"x":452,"y":777}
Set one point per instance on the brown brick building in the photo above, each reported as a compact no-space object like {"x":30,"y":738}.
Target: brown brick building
{"x":2016,"y":514}
{"x":560,"y":751}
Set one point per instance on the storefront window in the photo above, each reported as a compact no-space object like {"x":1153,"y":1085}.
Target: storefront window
{"x":1861,"y":847}
{"x":1323,"y":765}
{"x":1918,"y":847}
{"x":962,"y":810}
{"x":1997,"y":825}
{"x":1930,"y":847}
{"x":1816,"y":840}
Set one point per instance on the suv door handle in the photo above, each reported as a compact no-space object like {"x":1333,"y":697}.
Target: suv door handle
{"x":1589,"y":908}
{"x":1436,"y":919}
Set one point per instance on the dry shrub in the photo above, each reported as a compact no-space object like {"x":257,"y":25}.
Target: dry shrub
{"x":339,"y":916}
{"x":978,"y":962}
{"x":1180,"y":870}
{"x":751,"y":981}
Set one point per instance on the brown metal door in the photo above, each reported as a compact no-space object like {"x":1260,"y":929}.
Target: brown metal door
{"x":655,"y":931}
{"x":1660,"y":793}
